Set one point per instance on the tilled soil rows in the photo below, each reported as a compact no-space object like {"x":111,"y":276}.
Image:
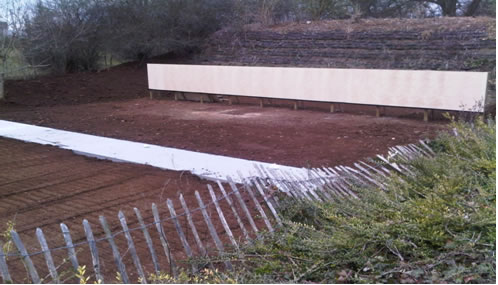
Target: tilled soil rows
{"x":43,"y":186}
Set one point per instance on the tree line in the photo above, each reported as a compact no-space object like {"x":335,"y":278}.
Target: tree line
{"x":75,"y":35}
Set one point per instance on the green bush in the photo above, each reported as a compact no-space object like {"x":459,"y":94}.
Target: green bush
{"x":437,"y":226}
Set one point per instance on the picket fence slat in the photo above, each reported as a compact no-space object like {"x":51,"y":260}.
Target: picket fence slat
{"x":366,"y":175}
{"x":115,"y":251}
{"x":25,"y":257}
{"x":320,"y":183}
{"x":343,"y":183}
{"x":327,"y":189}
{"x":179,"y":230}
{"x":242,"y":204}
{"x":131,"y":248}
{"x":269,"y":193}
{"x":212,"y":230}
{"x":222,"y":217}
{"x":392,"y":164}
{"x":427,"y":147}
{"x":148,"y":240}
{"x":328,"y":179}
{"x":369,"y":176}
{"x":259,"y":208}
{"x":331,"y":181}
{"x":297,"y":179}
{"x":345,"y":177}
{"x":335,"y":185}
{"x":198,"y":240}
{"x":285,"y":183}
{"x":267,"y":181}
{"x":268,"y":203}
{"x":339,"y":184}
{"x":93,"y":251}
{"x":48,"y":257}
{"x":4,"y":269}
{"x":164,"y":241}
{"x":70,"y":247}
{"x":234,"y":211}
{"x":290,"y":188}
{"x":302,"y":194}
{"x":353,"y":175}
{"x":378,"y":171}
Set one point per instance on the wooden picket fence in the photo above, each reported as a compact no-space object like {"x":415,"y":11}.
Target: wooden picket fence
{"x":255,"y":197}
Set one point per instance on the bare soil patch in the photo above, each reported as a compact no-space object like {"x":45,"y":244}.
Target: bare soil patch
{"x":309,"y":137}
{"x":115,"y":104}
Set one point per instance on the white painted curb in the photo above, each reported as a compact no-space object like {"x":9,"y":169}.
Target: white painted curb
{"x":209,"y":166}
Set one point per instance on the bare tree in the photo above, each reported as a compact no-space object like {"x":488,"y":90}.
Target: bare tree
{"x":64,"y":34}
{"x":12,"y":14}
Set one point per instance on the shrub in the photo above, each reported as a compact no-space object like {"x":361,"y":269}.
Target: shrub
{"x":435,"y":227}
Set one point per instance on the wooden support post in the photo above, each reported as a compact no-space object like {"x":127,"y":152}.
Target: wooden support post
{"x":426,"y":115}
{"x":377,"y":111}
{"x":261,"y":103}
{"x":176,"y":96}
{"x":332,"y":108}
{"x":151,"y":94}
{"x":295,"y":105}
{"x":202,"y":99}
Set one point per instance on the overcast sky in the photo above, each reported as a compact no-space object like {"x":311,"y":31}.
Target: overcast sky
{"x":4,"y":6}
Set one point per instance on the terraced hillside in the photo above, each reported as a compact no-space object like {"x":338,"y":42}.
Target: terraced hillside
{"x":439,"y":44}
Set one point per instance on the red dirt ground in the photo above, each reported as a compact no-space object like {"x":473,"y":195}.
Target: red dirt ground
{"x":42,"y":186}
{"x":115,"y":104}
